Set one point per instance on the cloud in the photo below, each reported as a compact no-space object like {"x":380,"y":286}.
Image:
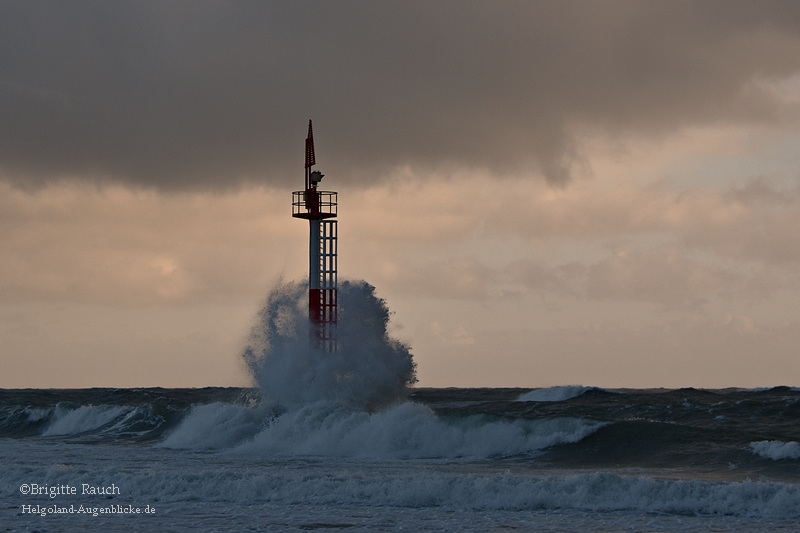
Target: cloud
{"x":764,"y":228}
{"x":667,"y":277}
{"x":750,"y":221}
{"x":457,"y":336}
{"x":113,"y":246}
{"x":452,"y":240}
{"x":457,"y":279}
{"x":210,"y":95}
{"x":540,"y":277}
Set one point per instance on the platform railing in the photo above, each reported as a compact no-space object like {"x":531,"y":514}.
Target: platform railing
{"x":327,"y":203}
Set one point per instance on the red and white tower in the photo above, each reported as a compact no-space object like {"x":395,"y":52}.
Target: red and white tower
{"x":319,"y":208}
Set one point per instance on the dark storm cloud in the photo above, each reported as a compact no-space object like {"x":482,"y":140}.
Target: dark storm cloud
{"x":208,"y":94}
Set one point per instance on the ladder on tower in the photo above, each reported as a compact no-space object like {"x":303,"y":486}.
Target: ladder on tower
{"x":323,"y":304}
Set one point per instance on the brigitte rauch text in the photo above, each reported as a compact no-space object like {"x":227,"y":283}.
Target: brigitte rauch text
{"x":52,"y":491}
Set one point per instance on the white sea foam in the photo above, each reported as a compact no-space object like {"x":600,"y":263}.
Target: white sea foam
{"x":345,"y":404}
{"x":369,"y":369}
{"x":85,"y":418}
{"x":215,"y":426}
{"x":404,"y":431}
{"x":554,"y":394}
{"x":776,"y":450}
{"x":241,"y":480}
{"x":37,"y":414}
{"x":409,"y":430}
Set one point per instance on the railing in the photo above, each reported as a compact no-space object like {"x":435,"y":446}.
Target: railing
{"x":302,"y":208}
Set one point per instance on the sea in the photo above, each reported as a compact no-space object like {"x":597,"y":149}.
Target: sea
{"x":570,"y":459}
{"x":344,"y":440}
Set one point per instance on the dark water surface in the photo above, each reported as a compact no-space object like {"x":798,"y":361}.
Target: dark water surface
{"x":557,"y":459}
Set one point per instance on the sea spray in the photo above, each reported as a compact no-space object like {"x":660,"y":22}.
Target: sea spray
{"x":368,"y":370}
{"x":345,"y":403}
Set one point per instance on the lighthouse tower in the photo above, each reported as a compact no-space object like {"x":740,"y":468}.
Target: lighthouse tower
{"x":319,"y":208}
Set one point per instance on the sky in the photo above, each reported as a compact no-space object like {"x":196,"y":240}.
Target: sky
{"x":545,"y":193}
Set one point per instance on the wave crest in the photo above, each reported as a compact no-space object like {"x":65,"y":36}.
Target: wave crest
{"x":403,"y":431}
{"x":776,"y":450}
{"x":369,"y":370}
{"x":555,"y":394}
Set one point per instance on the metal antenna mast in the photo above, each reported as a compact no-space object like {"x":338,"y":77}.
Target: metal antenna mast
{"x":319,"y":208}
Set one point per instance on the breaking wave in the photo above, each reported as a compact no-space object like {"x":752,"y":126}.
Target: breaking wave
{"x":350,"y":403}
{"x":369,"y":369}
{"x":85,"y":418}
{"x":555,"y":394}
{"x":776,"y":450}
{"x":404,"y":431}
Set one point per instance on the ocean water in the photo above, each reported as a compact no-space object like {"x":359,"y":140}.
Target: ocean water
{"x":572,"y":459}
{"x":344,"y":441}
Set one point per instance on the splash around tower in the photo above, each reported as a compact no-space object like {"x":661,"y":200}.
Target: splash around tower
{"x":325,"y":342}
